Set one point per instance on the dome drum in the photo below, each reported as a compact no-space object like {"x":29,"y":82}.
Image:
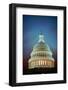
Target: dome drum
{"x":41,"y":64}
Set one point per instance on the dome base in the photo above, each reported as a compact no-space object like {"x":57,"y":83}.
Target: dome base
{"x":41,"y":64}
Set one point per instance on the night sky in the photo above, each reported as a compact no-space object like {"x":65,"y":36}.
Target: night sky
{"x":32,"y":27}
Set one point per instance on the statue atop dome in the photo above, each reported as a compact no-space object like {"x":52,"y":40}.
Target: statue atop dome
{"x":41,"y":38}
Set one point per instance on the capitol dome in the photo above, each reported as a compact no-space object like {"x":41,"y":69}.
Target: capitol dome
{"x":41,"y":55}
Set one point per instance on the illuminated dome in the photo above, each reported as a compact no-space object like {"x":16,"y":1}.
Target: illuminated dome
{"x":41,"y":56}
